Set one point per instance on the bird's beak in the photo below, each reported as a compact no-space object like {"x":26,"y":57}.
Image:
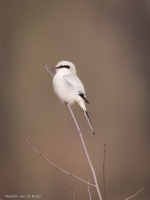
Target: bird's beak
{"x":53,"y":69}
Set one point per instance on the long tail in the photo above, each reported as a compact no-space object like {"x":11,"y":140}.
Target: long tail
{"x":89,"y":121}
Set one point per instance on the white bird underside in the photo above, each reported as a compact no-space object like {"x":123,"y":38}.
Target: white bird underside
{"x":64,"y":85}
{"x":69,"y":88}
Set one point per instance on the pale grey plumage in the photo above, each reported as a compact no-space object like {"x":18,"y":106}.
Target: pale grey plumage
{"x":69,"y":88}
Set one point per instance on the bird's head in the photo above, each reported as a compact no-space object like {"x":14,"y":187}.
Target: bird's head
{"x":65,"y":67}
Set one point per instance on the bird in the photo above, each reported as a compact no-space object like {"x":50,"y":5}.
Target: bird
{"x":69,"y":88}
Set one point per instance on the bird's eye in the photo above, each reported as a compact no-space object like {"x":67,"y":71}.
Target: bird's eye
{"x":64,"y":66}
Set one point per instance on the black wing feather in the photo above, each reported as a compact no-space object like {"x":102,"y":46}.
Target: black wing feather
{"x":83,"y":97}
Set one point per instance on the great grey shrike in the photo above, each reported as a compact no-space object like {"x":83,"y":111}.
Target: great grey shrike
{"x":69,"y":88}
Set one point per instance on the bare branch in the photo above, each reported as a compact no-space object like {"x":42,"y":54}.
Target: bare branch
{"x":73,"y":191}
{"x":88,"y":188}
{"x":86,"y":153}
{"x":104,"y":171}
{"x":135,"y":194}
{"x":57,"y":166}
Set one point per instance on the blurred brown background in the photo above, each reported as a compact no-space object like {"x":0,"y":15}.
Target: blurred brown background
{"x":109,"y":42}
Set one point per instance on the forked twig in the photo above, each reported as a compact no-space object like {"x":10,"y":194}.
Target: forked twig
{"x":57,"y":166}
{"x":135,"y":194}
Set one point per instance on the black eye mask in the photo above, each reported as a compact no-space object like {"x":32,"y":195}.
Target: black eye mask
{"x":63,"y":66}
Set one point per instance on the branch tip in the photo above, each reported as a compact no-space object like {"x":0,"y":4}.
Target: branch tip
{"x":135,"y":194}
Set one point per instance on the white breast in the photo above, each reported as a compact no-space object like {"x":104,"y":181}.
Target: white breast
{"x":63,"y":91}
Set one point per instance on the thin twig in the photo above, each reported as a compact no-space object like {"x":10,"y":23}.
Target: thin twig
{"x":88,"y":188}
{"x":135,"y":194}
{"x":86,"y":153}
{"x":57,"y":166}
{"x":48,"y":70}
{"x":73,"y":193}
{"x":104,"y":171}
